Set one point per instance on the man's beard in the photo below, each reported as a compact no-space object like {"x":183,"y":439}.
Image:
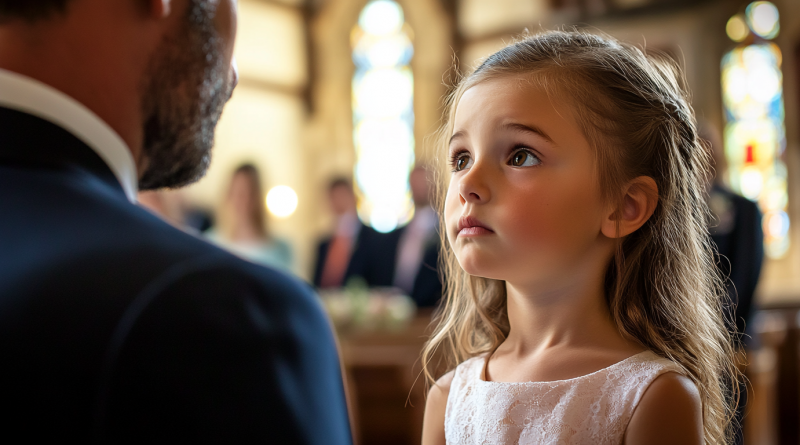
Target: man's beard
{"x":185,"y":89}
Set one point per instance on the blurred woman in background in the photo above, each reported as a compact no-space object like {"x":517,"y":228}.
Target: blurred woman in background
{"x":241,"y":222}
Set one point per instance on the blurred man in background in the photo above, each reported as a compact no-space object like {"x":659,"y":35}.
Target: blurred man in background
{"x":415,"y":247}
{"x":115,"y":326}
{"x":737,"y":233}
{"x":353,"y":249}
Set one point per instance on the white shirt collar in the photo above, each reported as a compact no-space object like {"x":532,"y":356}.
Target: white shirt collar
{"x":30,"y":96}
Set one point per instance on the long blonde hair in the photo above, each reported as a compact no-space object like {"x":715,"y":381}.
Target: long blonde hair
{"x":256,"y":215}
{"x":662,"y":286}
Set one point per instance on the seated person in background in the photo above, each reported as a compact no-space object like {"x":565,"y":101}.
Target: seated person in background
{"x":354,"y":249}
{"x":415,"y":247}
{"x":737,"y":233}
{"x":242,"y":222}
{"x":116,"y":327}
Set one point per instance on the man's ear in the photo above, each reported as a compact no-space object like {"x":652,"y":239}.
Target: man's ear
{"x":636,"y":207}
{"x":159,"y":9}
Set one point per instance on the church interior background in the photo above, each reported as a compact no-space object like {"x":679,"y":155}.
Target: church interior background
{"x":324,"y":81}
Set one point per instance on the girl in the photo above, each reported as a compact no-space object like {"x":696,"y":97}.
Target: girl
{"x":583,"y":302}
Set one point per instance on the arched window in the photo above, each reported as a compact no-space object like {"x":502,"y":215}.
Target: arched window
{"x":755,"y":134}
{"x":383,"y":114}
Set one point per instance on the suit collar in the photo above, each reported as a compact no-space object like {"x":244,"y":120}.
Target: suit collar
{"x":30,"y":142}
{"x":39,"y":100}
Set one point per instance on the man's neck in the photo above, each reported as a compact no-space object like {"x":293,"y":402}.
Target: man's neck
{"x":105,"y":85}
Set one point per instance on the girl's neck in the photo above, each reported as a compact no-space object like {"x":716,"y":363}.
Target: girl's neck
{"x":574,"y":316}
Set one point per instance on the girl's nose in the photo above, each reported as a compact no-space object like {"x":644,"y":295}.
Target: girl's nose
{"x":473,"y":188}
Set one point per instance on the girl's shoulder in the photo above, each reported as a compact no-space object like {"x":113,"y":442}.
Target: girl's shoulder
{"x":652,"y":360}
{"x":463,"y":373}
{"x":647,"y":366}
{"x":631,"y":378}
{"x":468,"y":370}
{"x":669,"y":411}
{"x":444,"y":382}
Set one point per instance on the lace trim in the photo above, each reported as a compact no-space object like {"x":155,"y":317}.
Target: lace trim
{"x":594,"y":408}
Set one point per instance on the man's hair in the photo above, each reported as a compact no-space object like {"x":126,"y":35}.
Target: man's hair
{"x":339,"y":181}
{"x":31,"y":10}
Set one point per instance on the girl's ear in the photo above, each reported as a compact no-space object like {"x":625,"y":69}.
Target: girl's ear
{"x":637,"y":206}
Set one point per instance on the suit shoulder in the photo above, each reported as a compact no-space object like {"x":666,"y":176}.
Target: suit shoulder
{"x":233,"y":298}
{"x":219,"y":273}
{"x":245,"y":336}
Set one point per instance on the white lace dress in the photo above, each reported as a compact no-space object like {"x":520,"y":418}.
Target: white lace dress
{"x":591,"y":409}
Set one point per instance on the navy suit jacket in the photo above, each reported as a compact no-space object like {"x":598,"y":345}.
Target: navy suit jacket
{"x":116,"y":327}
{"x":742,"y":246}
{"x":428,"y":283}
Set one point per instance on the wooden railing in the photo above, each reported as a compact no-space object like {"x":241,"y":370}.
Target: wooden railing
{"x":386,"y":386}
{"x":773,"y":412}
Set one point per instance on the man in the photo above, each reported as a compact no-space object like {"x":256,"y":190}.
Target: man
{"x":114,"y":326}
{"x":353,"y":250}
{"x":415,"y":247}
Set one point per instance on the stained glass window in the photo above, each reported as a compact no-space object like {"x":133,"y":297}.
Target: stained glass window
{"x":754,"y":134}
{"x":383,"y":114}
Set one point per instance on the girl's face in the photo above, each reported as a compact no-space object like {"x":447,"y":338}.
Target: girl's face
{"x":524,"y":202}
{"x":241,"y":194}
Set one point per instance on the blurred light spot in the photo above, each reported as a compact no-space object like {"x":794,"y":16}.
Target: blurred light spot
{"x":737,"y":28}
{"x":777,"y":224}
{"x":383,"y":51}
{"x":776,"y":247}
{"x":282,"y":201}
{"x":752,"y":182}
{"x":764,"y":83}
{"x":383,"y":220}
{"x":775,"y":197}
{"x":735,"y":80}
{"x":763,"y":19}
{"x":384,"y":92}
{"x":381,"y":17}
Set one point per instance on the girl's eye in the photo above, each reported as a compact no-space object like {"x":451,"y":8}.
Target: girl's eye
{"x":524,"y":158}
{"x":462,"y":162}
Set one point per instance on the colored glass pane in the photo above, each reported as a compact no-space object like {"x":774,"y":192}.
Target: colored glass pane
{"x":737,"y":28}
{"x":762,"y":17}
{"x":755,"y":135}
{"x":383,"y":114}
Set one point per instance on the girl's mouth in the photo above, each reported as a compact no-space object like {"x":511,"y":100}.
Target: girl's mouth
{"x":469,"y":226}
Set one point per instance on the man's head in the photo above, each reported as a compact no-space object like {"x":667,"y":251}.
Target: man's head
{"x":167,"y":63}
{"x":185,"y":88}
{"x":341,"y":198}
{"x":420,"y":180}
{"x":712,"y":136}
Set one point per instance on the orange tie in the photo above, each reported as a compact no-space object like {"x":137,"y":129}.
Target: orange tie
{"x":336,"y":262}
